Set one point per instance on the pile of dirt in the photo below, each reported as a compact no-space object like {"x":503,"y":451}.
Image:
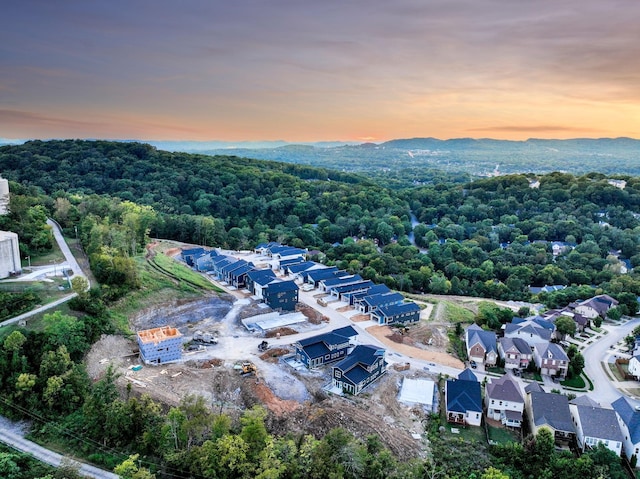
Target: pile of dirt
{"x":273,"y":354}
{"x":117,"y":351}
{"x":312,"y":315}
{"x":259,"y":393}
{"x":210,"y":363}
{"x":276,"y":333}
{"x":382,"y":333}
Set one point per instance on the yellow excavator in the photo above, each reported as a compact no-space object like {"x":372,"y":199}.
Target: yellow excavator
{"x":246,"y":368}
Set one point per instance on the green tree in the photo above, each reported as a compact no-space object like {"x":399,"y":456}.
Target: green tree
{"x":565,"y":326}
{"x":129,"y":469}
{"x":62,"y":329}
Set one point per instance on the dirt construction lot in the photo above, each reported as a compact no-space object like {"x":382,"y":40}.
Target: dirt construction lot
{"x":295,"y":399}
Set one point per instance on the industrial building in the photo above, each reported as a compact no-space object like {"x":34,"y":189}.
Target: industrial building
{"x":160,"y":345}
{"x":9,"y":254}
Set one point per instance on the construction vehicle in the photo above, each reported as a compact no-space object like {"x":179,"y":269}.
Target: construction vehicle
{"x":205,"y":337}
{"x":263,"y":346}
{"x":246,"y":368}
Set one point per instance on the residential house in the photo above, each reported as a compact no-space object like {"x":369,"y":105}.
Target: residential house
{"x":356,"y":298}
{"x":397,"y":313}
{"x":551,"y":411}
{"x":257,"y":280}
{"x":296,"y":271}
{"x":360,"y":368}
{"x":204,"y":262}
{"x":527,"y":330}
{"x":596,"y":306}
{"x":372,"y":302}
{"x":634,"y":366}
{"x":285,"y":264}
{"x":481,"y":345}
{"x":595,"y":425}
{"x":314,"y":277}
{"x":160,"y":345}
{"x":515,"y":352}
{"x":189,"y":255}
{"x":464,"y":399}
{"x":340,"y":291}
{"x":504,"y":401}
{"x":281,"y":295}
{"x":328,"y":284}
{"x":551,"y":359}
{"x":325,"y":348}
{"x":263,"y":248}
{"x":629,"y":421}
{"x":546,"y":288}
{"x":238,"y":277}
{"x":226,"y":272}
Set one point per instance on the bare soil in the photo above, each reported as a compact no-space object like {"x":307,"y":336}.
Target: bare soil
{"x":296,"y":400}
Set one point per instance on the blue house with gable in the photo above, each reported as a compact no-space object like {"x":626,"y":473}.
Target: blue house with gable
{"x":325,"y":348}
{"x":258,"y":279}
{"x":360,"y":368}
{"x":281,"y":295}
{"x":397,"y":313}
{"x":463,"y":398}
{"x":189,"y":255}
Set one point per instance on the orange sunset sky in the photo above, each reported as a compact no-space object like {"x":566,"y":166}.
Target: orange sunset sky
{"x":297,"y":70}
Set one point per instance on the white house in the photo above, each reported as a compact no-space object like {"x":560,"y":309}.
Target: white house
{"x":629,"y":421}
{"x":504,"y":401}
{"x":595,"y":425}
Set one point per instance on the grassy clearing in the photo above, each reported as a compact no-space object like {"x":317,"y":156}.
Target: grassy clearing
{"x":575,"y":382}
{"x":502,"y":435}
{"x":616,"y":373}
{"x":455,"y":313}
{"x":182,"y":273}
{"x":162,"y":281}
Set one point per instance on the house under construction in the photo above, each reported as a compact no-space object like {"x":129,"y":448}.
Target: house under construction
{"x":160,"y":345}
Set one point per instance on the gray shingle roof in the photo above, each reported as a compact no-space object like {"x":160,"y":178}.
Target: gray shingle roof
{"x":551,"y":410}
{"x":504,"y":389}
{"x":599,"y":423}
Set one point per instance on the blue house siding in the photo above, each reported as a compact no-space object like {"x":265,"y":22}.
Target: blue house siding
{"x":397,"y":313}
{"x":281,"y":295}
{"x":190,"y":255}
{"x":325,"y":348}
{"x":364,"y":365}
{"x":160,"y":345}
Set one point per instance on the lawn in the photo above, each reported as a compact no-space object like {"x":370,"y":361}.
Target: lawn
{"x":575,"y":382}
{"x":502,"y":435}
{"x":467,"y":433}
{"x":614,"y":370}
{"x":458,"y":314}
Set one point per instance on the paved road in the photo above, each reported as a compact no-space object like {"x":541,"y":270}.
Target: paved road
{"x":13,"y":437}
{"x":598,"y":355}
{"x":52,"y":458}
{"x":70,"y":263}
{"x":64,"y":247}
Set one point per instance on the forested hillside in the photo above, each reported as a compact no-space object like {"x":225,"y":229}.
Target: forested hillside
{"x":491,"y":237}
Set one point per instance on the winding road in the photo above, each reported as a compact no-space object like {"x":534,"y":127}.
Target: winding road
{"x":13,"y":436}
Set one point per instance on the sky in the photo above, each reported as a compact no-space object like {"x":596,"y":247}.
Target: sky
{"x":312,"y":70}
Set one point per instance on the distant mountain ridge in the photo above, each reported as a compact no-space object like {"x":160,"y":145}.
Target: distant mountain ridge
{"x":479,"y":157}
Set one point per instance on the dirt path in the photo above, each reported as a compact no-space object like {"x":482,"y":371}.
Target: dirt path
{"x":382,"y":334}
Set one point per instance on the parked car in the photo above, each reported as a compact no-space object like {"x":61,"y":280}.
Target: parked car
{"x":473,"y":364}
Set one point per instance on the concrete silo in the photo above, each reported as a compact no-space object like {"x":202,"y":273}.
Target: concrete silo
{"x":4,"y":196}
{"x":9,"y":254}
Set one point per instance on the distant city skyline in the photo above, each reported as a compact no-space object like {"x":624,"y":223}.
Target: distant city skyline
{"x":303,"y":71}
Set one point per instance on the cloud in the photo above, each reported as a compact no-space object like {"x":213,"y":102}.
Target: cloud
{"x":531,"y":128}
